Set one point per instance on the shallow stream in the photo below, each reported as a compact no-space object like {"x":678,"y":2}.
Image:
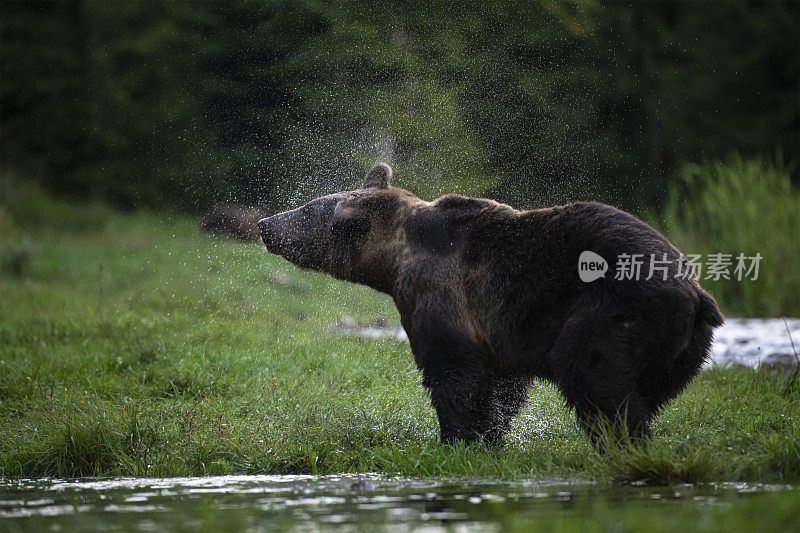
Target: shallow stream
{"x":753,"y":342}
{"x":354,"y":502}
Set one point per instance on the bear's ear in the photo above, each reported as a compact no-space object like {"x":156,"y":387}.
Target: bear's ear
{"x":378,"y":177}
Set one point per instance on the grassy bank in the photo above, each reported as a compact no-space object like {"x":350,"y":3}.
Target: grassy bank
{"x":132,"y":344}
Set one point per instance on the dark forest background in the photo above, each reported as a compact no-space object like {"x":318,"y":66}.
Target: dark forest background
{"x":178,"y":105}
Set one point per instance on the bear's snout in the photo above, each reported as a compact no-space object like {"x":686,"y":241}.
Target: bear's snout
{"x":274,"y":226}
{"x":281,"y":235}
{"x":268,"y":233}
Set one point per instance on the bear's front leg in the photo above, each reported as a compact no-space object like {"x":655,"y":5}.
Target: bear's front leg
{"x":455,"y":371}
{"x":508,"y":394}
{"x":462,"y":403}
{"x":475,"y":405}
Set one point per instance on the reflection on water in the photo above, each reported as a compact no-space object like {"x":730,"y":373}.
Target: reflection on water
{"x":363,"y":501}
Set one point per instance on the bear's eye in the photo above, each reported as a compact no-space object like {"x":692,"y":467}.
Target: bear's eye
{"x":350,"y":229}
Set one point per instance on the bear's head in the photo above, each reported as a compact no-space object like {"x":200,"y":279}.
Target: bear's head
{"x":348,"y":234}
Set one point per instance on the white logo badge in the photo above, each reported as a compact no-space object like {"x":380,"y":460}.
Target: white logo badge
{"x":591,"y":266}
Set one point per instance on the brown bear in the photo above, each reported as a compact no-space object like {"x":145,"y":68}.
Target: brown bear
{"x":492,"y":298}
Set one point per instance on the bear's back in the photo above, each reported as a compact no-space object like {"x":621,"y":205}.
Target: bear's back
{"x":538,"y":252}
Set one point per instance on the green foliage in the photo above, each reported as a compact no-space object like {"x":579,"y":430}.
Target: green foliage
{"x":179,"y":104}
{"x":144,"y":347}
{"x":30,"y":209}
{"x":738,"y":206}
{"x":91,"y":99}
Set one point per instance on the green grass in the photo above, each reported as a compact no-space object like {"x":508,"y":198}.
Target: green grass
{"x":137,"y":345}
{"x":745,"y":206}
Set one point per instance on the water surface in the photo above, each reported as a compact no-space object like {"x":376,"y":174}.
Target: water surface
{"x":349,"y":502}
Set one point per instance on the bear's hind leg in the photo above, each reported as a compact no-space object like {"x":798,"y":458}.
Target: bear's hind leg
{"x":593,"y":366}
{"x":669,"y":374}
{"x":615,"y":416}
